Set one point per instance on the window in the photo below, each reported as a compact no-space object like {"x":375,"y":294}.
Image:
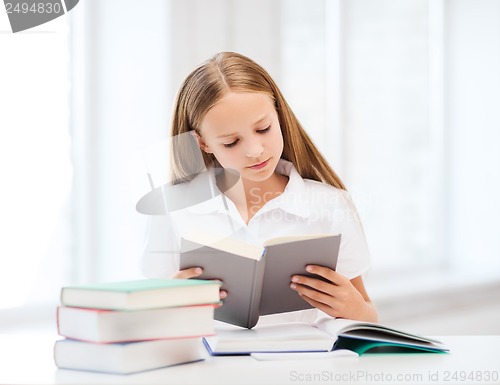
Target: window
{"x":402,"y":98}
{"x":34,"y":162}
{"x":390,"y":156}
{"x":357,"y":74}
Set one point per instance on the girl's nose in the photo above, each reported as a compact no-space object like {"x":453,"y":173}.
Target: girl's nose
{"x":254,"y":149}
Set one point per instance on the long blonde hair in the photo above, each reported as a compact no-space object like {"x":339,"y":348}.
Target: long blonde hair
{"x":206,"y":85}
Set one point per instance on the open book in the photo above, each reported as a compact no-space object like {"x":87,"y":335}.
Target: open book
{"x":328,"y":334}
{"x":258,"y":279}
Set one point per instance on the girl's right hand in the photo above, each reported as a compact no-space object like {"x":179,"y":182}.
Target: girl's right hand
{"x":188,"y":273}
{"x":193,"y":272}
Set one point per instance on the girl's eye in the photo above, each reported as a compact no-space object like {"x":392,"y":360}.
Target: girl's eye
{"x":232,"y":144}
{"x":229,"y":145}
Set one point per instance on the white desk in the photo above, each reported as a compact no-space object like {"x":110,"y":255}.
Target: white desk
{"x":28,"y":360}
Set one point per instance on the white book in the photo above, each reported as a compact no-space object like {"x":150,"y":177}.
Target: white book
{"x":289,"y":337}
{"x":126,"y":358}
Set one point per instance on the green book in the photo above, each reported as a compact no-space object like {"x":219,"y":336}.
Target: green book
{"x":141,"y":294}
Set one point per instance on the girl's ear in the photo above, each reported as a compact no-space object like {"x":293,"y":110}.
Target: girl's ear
{"x":201,"y":142}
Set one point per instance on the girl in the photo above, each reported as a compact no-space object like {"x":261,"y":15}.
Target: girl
{"x":241,"y":122}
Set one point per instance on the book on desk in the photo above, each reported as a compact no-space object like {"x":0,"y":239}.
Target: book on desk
{"x":132,"y":326}
{"x":327,"y":334}
{"x":140,"y":294}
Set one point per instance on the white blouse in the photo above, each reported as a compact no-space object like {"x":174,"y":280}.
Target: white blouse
{"x":305,"y":207}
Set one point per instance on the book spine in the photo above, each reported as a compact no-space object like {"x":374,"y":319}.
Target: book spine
{"x":256,"y":294}
{"x":57,"y":320}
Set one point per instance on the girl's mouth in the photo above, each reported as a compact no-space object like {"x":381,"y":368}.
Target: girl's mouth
{"x":259,"y":165}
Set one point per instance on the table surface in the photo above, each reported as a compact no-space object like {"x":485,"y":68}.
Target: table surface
{"x":28,"y":359}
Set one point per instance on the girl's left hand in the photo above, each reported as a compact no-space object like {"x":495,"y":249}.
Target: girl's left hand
{"x":338,"y":297}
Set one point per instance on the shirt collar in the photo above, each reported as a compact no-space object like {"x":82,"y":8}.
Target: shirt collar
{"x":291,"y":200}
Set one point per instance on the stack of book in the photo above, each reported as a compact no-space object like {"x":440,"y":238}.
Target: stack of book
{"x":133,"y":326}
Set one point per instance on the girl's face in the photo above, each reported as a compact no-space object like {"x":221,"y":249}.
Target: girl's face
{"x":242,"y":131}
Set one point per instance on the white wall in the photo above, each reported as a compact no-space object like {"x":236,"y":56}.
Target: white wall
{"x":473,"y":124}
{"x":121,"y":102}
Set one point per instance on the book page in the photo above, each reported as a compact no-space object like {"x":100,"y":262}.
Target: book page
{"x":227,"y":244}
{"x":293,"y":238}
{"x":337,"y":326}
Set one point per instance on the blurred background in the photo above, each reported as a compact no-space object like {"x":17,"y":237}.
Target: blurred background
{"x":402,"y":97}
